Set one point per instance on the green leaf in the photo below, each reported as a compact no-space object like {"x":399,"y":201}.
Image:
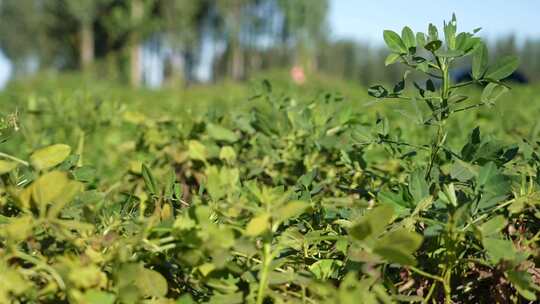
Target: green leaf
{"x":493,"y":184}
{"x":457,"y":98}
{"x":479,"y":61}
{"x":418,"y":187}
{"x":450,"y":53}
{"x":499,"y":249}
{"x":523,"y":283}
{"x":394,"y":42}
{"x":214,"y":186}
{"x":421,"y":39}
{"x":185,"y":299}
{"x":433,"y":33}
{"x":377,"y":91}
{"x":372,"y":223}
{"x":290,"y":210}
{"x":395,"y":200}
{"x":94,"y":296}
{"x":258,"y":225}
{"x":197,"y":150}
{"x":50,"y":156}
{"x":149,"y":180}
{"x":408,"y":38}
{"x":503,"y":68}
{"x":450,"y":196}
{"x":325,"y":268}
{"x":493,"y":226}
{"x":450,"y":33}
{"x":84,"y":174}
{"x":391,"y":58}
{"x":492,"y":92}
{"x":398,"y":246}
{"x":467,"y":43}
{"x":462,"y":171}
{"x":218,"y":132}
{"x":6,"y":166}
{"x":487,"y":172}
{"x":433,"y":45}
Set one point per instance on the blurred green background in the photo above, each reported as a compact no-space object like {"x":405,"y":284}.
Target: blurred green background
{"x":178,"y":43}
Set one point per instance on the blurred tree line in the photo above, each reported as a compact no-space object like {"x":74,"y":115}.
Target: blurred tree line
{"x":246,"y":36}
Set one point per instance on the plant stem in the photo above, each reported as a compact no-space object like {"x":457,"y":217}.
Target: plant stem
{"x":430,"y":293}
{"x":477,"y":105}
{"x":42,"y":265}
{"x":426,"y":274}
{"x":265,"y":268}
{"x":463,"y":84}
{"x":447,"y":286}
{"x":445,"y":93}
{"x":435,"y":149}
{"x":13,"y":158}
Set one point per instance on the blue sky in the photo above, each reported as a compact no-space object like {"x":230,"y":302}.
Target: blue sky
{"x":5,"y":70}
{"x":365,"y":20}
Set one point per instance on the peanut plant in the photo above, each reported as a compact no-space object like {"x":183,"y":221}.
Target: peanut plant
{"x":283,"y":198}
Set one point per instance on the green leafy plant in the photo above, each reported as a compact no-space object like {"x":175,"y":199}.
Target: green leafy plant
{"x":460,"y":201}
{"x":288,"y":197}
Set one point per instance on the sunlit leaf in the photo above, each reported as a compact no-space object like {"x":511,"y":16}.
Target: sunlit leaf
{"x":49,"y":187}
{"x":218,"y":132}
{"x":394,"y":42}
{"x":258,"y":224}
{"x":50,"y":156}
{"x":503,"y":68}
{"x":6,"y":166}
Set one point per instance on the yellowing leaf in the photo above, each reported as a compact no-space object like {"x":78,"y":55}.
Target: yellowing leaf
{"x":49,"y":187}
{"x":166,"y":212}
{"x":50,"y":156}
{"x":18,"y":229}
{"x":206,"y":268}
{"x":290,"y":210}
{"x":22,"y":196}
{"x":134,"y":117}
{"x":227,"y":154}
{"x":71,"y":189}
{"x":151,"y":283}
{"x":197,"y":150}
{"x":6,"y":166}
{"x":258,"y":224}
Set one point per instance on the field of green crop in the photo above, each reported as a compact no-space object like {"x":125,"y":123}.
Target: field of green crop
{"x":269,"y":192}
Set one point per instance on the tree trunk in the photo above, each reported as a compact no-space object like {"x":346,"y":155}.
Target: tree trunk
{"x":86,"y":46}
{"x":237,"y":69}
{"x":174,"y":71}
{"x":135,"y":75}
{"x":237,"y":52}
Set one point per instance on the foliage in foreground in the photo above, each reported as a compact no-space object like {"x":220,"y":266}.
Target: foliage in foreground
{"x":283,"y":200}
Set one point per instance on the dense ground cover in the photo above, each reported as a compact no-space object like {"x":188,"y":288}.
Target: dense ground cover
{"x":266,"y":192}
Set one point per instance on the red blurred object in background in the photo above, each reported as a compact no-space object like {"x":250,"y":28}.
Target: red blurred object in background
{"x":298,"y":75}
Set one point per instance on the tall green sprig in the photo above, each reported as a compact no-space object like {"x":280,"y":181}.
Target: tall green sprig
{"x":434,"y":57}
